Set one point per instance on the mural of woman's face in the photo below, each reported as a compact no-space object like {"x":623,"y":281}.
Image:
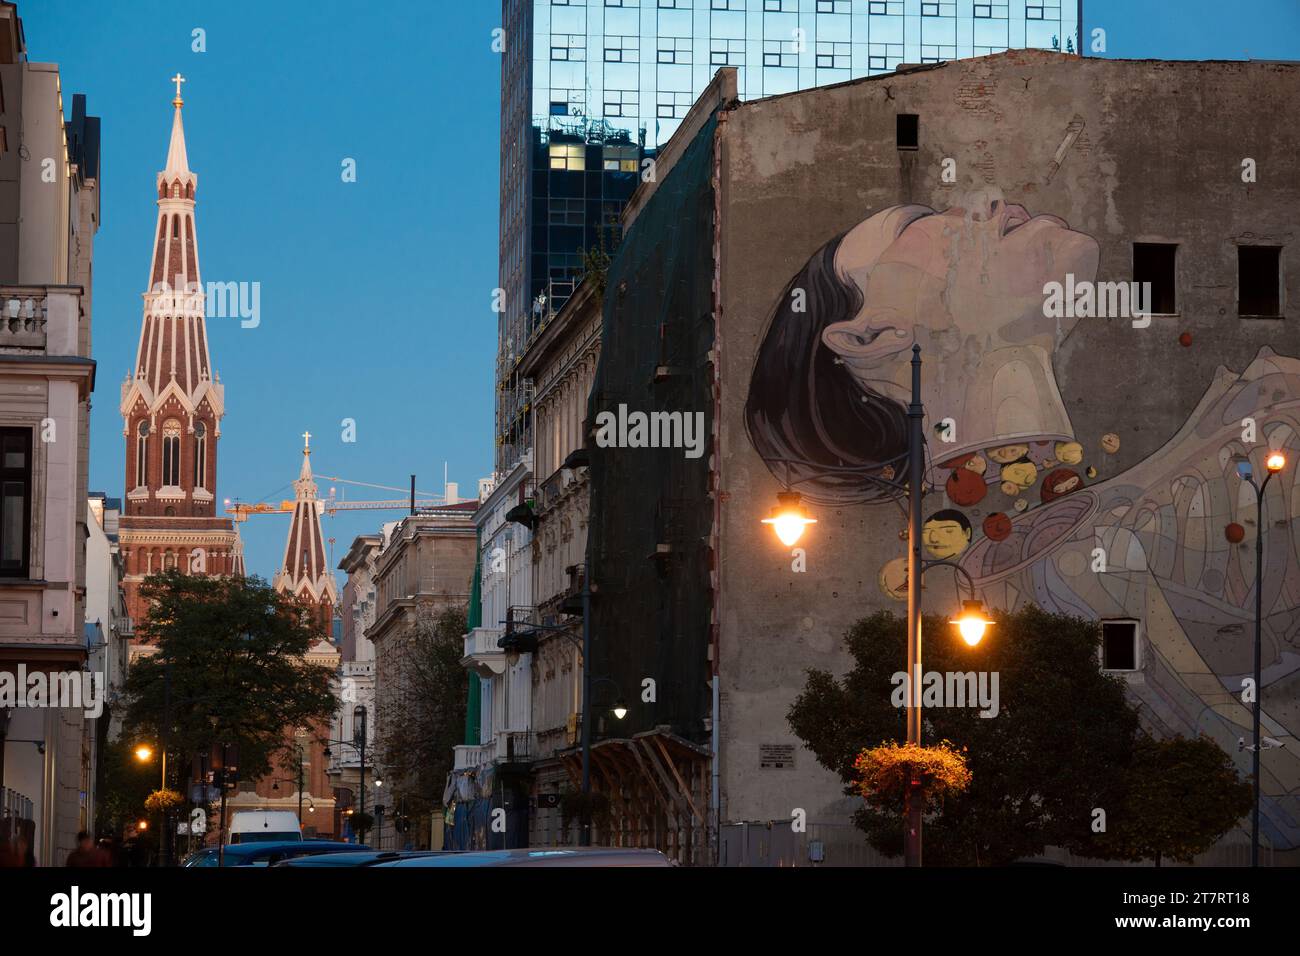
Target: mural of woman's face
{"x":968,"y":278}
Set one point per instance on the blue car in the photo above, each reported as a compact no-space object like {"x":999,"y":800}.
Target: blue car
{"x":267,"y":854}
{"x":539,"y":856}
{"x":359,"y":858}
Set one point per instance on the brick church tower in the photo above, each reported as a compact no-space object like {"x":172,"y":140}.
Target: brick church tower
{"x":172,"y":405}
{"x":304,"y":572}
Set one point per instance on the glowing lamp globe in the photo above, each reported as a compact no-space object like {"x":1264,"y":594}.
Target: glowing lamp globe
{"x":972,"y":622}
{"x":788,"y":518}
{"x":1275,"y":462}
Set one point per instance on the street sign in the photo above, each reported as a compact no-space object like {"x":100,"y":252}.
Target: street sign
{"x":198,"y":821}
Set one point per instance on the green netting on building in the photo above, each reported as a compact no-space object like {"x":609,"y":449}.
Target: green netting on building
{"x":650,"y":507}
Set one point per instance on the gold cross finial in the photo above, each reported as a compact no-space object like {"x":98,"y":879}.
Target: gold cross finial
{"x":178,"y":80}
{"x":306,"y":441}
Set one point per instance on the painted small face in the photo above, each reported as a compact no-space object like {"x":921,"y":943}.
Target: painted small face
{"x":1069,"y":452}
{"x":997,"y":527}
{"x":1007,"y":453}
{"x":944,"y":539}
{"x":1110,"y":443}
{"x":1060,"y":482}
{"x":893,"y":579}
{"x":1022,"y":474}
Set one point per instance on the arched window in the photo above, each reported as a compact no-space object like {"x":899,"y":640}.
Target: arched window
{"x":171,"y":454}
{"x":176,"y":227}
{"x":200,"y":455}
{"x":142,"y":455}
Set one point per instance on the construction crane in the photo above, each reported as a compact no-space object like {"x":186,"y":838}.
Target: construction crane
{"x":332,"y":504}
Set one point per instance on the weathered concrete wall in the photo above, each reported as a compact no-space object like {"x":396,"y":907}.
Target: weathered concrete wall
{"x":1121,"y":152}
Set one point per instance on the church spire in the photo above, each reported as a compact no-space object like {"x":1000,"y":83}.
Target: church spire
{"x":172,"y":402}
{"x":177,"y":162}
{"x":304,"y":573}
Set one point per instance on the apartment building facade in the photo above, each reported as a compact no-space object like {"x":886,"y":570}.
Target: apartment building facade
{"x":49,"y":217}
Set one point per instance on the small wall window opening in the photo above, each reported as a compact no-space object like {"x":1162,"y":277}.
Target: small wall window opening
{"x":909,"y":131}
{"x":1259,"y":281}
{"x":1119,"y":645}
{"x":1153,"y":262}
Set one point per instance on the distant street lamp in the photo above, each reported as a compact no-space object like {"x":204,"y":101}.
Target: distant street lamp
{"x":789,"y":519}
{"x":358,"y":743}
{"x":1274,"y":463}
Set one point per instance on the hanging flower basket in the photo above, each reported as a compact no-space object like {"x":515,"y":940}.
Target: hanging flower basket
{"x":160,"y":801}
{"x":885,"y":771}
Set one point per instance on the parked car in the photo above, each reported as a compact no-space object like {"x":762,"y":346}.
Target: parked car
{"x":360,"y":858}
{"x":268,"y":854}
{"x":264,"y":826}
{"x":541,"y":856}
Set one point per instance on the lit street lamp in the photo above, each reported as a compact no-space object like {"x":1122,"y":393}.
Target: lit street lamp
{"x":789,"y":519}
{"x":1275,"y":462}
{"x":144,"y":753}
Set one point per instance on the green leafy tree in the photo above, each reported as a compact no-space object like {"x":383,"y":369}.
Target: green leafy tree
{"x":1057,"y":748}
{"x":424,"y":712}
{"x":229,"y":668}
{"x":1180,"y":795}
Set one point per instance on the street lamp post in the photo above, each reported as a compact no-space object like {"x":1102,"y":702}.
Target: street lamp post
{"x":275,"y":785}
{"x":789,"y":520}
{"x":143,"y":753}
{"x":358,"y":743}
{"x":915,"y":475}
{"x":1275,"y":462}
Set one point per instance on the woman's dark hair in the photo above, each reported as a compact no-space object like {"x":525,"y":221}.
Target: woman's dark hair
{"x":806,"y":406}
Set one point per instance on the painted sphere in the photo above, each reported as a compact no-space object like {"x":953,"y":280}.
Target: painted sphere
{"x":1110,"y":443}
{"x":893,"y":579}
{"x":997,"y":527}
{"x":965,"y":488}
{"x":1235,"y":533}
{"x":1185,"y":339}
{"x":1060,"y":482}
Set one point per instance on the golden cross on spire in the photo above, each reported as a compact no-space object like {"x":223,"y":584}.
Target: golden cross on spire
{"x":306,"y":441}
{"x":178,"y":80}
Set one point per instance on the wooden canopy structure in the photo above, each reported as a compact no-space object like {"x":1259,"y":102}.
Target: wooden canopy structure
{"x":657,"y":784}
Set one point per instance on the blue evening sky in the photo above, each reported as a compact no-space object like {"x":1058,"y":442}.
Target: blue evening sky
{"x":375,"y":295}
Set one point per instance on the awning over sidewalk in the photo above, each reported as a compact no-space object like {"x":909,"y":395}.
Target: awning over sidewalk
{"x":657,"y":784}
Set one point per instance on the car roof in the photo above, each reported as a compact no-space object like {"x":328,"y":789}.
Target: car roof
{"x":541,"y":856}
{"x":361,"y":858}
{"x":273,"y":846}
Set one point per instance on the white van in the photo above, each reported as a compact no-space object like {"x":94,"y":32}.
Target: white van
{"x":264,"y":826}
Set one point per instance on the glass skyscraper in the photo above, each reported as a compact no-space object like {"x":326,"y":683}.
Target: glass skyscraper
{"x":588,"y":87}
